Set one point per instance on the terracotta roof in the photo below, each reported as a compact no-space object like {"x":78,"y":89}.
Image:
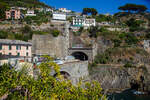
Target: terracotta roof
{"x":14,"y":42}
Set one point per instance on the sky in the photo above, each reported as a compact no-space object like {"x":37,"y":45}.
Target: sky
{"x":103,"y":6}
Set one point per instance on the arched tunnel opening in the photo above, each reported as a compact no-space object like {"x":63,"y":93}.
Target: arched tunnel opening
{"x":80,"y":55}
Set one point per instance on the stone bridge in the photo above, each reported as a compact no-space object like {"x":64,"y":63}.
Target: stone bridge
{"x":73,"y":71}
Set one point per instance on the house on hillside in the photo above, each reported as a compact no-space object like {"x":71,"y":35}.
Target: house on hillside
{"x":105,"y":23}
{"x":15,"y":48}
{"x":64,"y":10}
{"x":59,"y":16}
{"x":49,"y":9}
{"x":89,"y":22}
{"x":22,"y":8}
{"x":82,"y":21}
{"x":39,"y":9}
{"x":146,"y":45}
{"x":30,"y":13}
{"x":78,"y":21}
{"x":13,"y":13}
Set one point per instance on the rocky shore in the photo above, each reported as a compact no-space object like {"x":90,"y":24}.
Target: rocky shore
{"x":118,"y":79}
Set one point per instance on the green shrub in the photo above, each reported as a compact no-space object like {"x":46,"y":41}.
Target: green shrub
{"x":134,"y":25}
{"x":81,"y":29}
{"x":117,"y":42}
{"x":103,"y":29}
{"x":40,"y":32}
{"x":3,"y":34}
{"x":55,"y":33}
{"x":93,"y":31}
{"x":102,"y":59}
{"x":52,"y":25}
{"x":128,"y":65}
{"x":19,"y":36}
{"x":26,"y":29}
{"x":102,"y":18}
{"x":130,"y":39}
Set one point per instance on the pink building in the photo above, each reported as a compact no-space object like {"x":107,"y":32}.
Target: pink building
{"x":15,"y":48}
{"x":13,"y":14}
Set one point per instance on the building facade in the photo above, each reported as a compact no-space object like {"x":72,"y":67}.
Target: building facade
{"x":15,"y":48}
{"x":89,"y":22}
{"x":64,"y":10}
{"x":81,"y":21}
{"x":30,"y":13}
{"x":13,"y":14}
{"x":78,"y":21}
{"x":146,"y":45}
{"x":59,"y":16}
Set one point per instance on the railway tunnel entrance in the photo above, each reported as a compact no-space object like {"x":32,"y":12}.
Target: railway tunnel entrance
{"x":80,"y":55}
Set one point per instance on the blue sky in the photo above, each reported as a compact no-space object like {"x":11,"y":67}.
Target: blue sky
{"x":103,"y":6}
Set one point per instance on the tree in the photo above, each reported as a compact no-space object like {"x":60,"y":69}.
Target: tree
{"x":19,"y":85}
{"x":133,"y":7}
{"x":134,"y":25}
{"x":3,"y":7}
{"x":94,"y":31}
{"x":91,"y":11}
{"x":142,"y":8}
{"x":117,"y":42}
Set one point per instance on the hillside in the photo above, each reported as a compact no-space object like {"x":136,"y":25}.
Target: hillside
{"x":24,"y":3}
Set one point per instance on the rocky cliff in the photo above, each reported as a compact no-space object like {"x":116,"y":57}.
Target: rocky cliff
{"x":121,"y":78}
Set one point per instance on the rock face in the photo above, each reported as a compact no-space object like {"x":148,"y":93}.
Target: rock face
{"x":120,"y":78}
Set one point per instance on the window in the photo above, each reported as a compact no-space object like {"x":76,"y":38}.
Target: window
{"x":18,"y":54}
{"x":18,"y":47}
{"x":27,"y":54}
{"x":9,"y":54}
{"x":27,"y":47}
{"x":0,"y":47}
{"x":9,"y":47}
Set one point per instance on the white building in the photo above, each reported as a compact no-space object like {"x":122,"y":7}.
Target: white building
{"x":22,"y":8}
{"x":83,"y":21}
{"x":49,"y":10}
{"x":30,"y":13}
{"x":59,"y":16}
{"x":89,"y":22}
{"x":146,"y":45}
{"x":105,"y":23}
{"x":64,"y":10}
{"x":78,"y":21}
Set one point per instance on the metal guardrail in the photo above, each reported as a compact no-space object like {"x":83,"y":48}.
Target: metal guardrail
{"x":79,"y":48}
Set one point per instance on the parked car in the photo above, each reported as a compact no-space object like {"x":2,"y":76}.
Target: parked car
{"x":38,"y":63}
{"x":70,"y":58}
{"x":58,"y":61}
